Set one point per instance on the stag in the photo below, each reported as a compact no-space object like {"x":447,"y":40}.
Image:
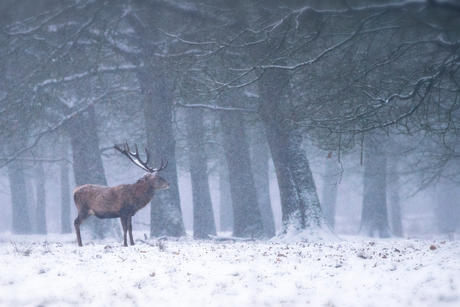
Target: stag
{"x":122,"y":201}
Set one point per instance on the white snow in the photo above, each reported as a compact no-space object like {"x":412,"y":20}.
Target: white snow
{"x":54,"y":271}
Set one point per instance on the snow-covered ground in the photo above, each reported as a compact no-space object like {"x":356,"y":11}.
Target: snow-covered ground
{"x":54,"y":271}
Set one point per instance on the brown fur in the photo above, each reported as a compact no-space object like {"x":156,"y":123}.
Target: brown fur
{"x":122,"y":201}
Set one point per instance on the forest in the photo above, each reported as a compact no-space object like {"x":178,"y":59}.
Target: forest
{"x":299,"y":120}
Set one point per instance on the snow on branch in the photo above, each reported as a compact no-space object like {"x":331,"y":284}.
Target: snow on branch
{"x":188,"y":42}
{"x":450,"y":45}
{"x":326,"y":51}
{"x":92,"y":72}
{"x":19,"y":28}
{"x":336,"y":122}
{"x":404,"y":5}
{"x":53,"y":128}
{"x":424,"y":80}
{"x":188,"y":10}
{"x":215,"y":108}
{"x":414,"y":91}
{"x":247,"y":71}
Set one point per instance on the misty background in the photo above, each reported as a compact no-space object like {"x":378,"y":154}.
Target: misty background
{"x":274,"y":116}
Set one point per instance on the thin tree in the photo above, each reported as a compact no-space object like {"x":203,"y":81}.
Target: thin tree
{"x":65,"y":185}
{"x":330,"y":187}
{"x":394,"y":187}
{"x":21,"y":214}
{"x":40,"y":209}
{"x":225,"y":200}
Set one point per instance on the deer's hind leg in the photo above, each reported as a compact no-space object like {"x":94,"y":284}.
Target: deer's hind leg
{"x":83,"y":215}
{"x":125,"y":224}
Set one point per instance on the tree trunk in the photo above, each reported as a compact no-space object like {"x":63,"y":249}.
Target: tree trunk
{"x":40,"y":213}
{"x":259,"y":160}
{"x":65,"y":187}
{"x":247,"y":219}
{"x":21,"y":219}
{"x":31,"y":195}
{"x":203,"y":216}
{"x":87,"y":168}
{"x":157,"y":88}
{"x":226,"y":210}
{"x":165,"y":214}
{"x":330,"y":191}
{"x":301,"y":210}
{"x":447,"y":208}
{"x":374,"y":218}
{"x":395,"y":201}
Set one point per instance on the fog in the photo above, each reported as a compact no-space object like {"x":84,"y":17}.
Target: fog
{"x":303,"y":120}
{"x":419,"y":216}
{"x":252,"y":153}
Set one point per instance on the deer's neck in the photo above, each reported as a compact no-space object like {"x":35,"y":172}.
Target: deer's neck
{"x":143,"y":192}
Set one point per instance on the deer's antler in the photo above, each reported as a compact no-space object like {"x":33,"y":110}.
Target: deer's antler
{"x":134,"y":157}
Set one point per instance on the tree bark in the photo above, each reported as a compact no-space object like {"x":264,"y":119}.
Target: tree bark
{"x":65,"y":187}
{"x":166,"y":213}
{"x":259,"y":161}
{"x":88,"y":168}
{"x":395,"y":200}
{"x":40,"y":209}
{"x":374,"y":218}
{"x":447,"y":208}
{"x":226,"y":210}
{"x":330,"y":191}
{"x":157,"y":88}
{"x":203,"y":216}
{"x":301,"y":209}
{"x":247,"y":219}
{"x":21,"y":219}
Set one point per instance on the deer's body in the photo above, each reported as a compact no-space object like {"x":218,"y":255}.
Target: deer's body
{"x":122,"y":201}
{"x":111,"y":202}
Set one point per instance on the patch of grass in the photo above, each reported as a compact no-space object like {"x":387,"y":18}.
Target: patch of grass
{"x":450,"y":234}
{"x":161,"y":245}
{"x":22,"y":249}
{"x":46,"y":247}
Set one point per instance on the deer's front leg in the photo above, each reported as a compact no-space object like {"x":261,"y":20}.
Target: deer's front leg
{"x":124,"y":224}
{"x":130,"y":229}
